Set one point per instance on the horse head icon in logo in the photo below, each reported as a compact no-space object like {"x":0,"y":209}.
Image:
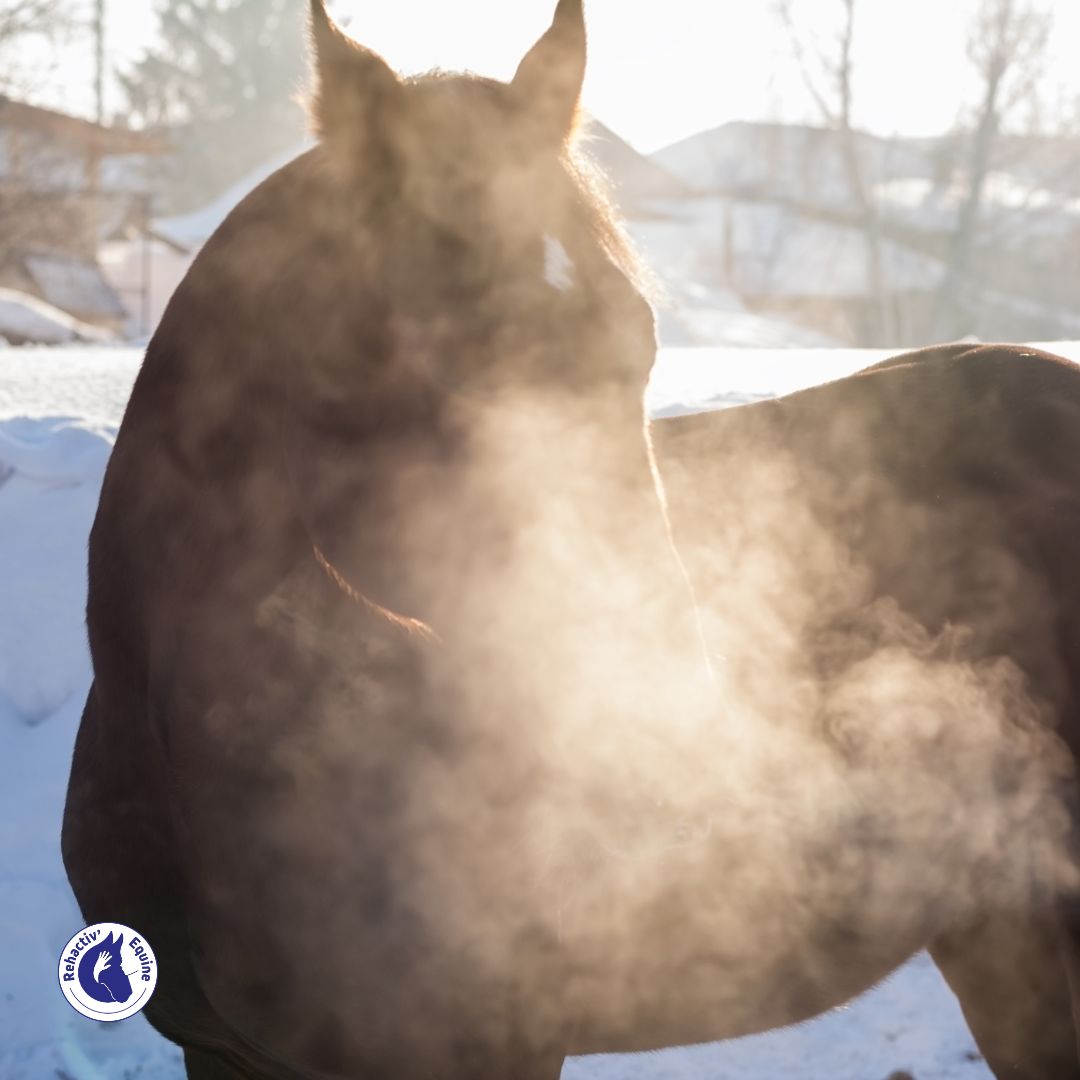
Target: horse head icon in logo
{"x":101,"y":974}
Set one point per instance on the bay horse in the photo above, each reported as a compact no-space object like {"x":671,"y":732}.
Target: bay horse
{"x":362,"y":523}
{"x":399,"y":719}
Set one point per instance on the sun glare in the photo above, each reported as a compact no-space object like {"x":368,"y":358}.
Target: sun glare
{"x":659,"y":73}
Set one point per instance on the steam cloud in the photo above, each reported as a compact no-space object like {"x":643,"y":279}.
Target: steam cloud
{"x":556,"y":793}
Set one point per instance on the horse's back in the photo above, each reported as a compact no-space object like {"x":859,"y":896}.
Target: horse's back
{"x":933,"y":424}
{"x":938,"y":393}
{"x":948,"y":477}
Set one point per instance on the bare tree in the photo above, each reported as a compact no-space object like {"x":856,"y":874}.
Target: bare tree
{"x":828,"y":70}
{"x":39,"y":208}
{"x":22,"y":21}
{"x":222,"y":79}
{"x":21,"y":17}
{"x":1006,"y":45}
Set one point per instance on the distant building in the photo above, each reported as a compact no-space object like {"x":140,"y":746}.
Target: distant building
{"x":776,"y":220}
{"x":66,"y":184}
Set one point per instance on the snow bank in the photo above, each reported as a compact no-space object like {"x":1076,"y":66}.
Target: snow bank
{"x":25,"y":318}
{"x":50,"y":475}
{"x":59,"y":411}
{"x":91,"y":383}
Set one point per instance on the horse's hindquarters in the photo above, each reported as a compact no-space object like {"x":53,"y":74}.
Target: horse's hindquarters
{"x":896,"y":550}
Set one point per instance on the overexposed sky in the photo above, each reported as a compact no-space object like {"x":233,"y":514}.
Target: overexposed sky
{"x":660,"y":69}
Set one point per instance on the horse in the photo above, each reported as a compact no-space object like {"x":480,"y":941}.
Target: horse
{"x":923,"y":512}
{"x":400,"y":717}
{"x":358,"y":593}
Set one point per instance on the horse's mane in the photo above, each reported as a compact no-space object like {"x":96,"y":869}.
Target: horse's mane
{"x":595,"y":200}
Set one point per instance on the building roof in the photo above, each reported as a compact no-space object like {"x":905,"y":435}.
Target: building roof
{"x":25,"y":318}
{"x":95,"y":138}
{"x":74,"y":285}
{"x":188,"y":232}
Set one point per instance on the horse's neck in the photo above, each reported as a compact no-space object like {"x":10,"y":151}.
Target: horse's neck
{"x":418,"y":518}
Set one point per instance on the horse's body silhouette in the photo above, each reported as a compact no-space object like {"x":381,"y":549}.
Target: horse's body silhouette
{"x":328,"y":629}
{"x":101,"y":974}
{"x":383,"y":612}
{"x":928,"y":505}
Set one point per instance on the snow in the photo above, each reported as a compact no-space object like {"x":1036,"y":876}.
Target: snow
{"x":777,"y":252}
{"x":804,"y":166}
{"x":788,"y":162}
{"x":772,"y":217}
{"x":684,"y":254}
{"x":127,"y":262}
{"x":75,"y":285}
{"x":697,"y":380}
{"x":44,"y":383}
{"x":1015,"y":206}
{"x":26,"y":318}
{"x":59,"y":411}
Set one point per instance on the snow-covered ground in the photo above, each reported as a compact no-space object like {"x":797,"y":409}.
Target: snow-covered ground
{"x":59,"y":411}
{"x":27,"y":318}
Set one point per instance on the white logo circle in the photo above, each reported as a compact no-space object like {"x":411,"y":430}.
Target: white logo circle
{"x":108,"y":971}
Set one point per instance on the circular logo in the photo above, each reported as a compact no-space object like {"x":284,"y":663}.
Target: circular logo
{"x":108,"y":971}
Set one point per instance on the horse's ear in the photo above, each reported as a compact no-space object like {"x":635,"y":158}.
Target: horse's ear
{"x":549,"y":79}
{"x":119,"y":941}
{"x":351,"y":82}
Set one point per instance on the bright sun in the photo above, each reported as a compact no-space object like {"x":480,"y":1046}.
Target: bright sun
{"x":658,"y":72}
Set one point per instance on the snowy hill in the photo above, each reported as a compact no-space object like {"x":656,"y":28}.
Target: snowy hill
{"x":789,"y":162}
{"x":797,"y":221}
{"x":1033,"y":184}
{"x":1038,"y":212}
{"x":59,"y":411}
{"x":685,"y":251}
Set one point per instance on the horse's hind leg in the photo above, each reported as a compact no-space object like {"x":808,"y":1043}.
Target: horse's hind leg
{"x":1009,"y":974}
